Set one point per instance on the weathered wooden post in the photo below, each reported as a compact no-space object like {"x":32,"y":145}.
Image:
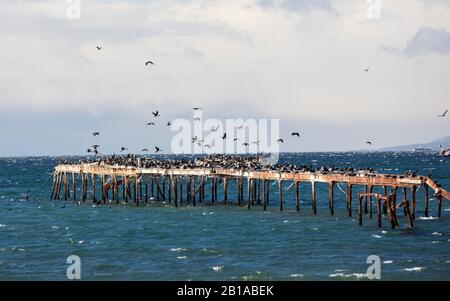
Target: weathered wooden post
{"x":66,"y":187}
{"x":125,"y":188}
{"x":94,"y":199}
{"x":74,"y":191}
{"x":297,"y":201}
{"x":379,"y":210}
{"x":370,"y":200}
{"x":264,"y":194}
{"x":313,"y":192}
{"x":248,"y":193}
{"x":426,"y":199}
{"x":384,"y":203}
{"x":239,"y":195}
{"x":83,"y":187}
{"x":280,"y":192}
{"x":331,"y":196}
{"x":181,"y":190}
{"x":408,"y":213}
{"x":349,"y":199}
{"x":413,"y":201}
{"x":366,"y":190}
{"x":359,"y":209}
{"x":225,"y":192}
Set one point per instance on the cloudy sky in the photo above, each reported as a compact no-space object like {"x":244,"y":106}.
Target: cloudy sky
{"x":300,"y":61}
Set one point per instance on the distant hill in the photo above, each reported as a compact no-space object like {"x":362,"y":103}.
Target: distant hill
{"x":433,"y":145}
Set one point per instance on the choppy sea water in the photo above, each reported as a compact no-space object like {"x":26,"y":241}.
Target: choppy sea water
{"x":159,"y":242}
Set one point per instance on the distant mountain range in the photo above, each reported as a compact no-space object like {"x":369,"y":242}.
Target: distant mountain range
{"x":433,"y":145}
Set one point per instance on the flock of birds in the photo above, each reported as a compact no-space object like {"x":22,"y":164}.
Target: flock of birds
{"x":94,"y":148}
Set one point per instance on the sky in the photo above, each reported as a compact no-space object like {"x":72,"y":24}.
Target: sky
{"x":299,"y":61}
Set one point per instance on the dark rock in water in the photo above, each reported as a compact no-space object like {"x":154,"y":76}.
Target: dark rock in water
{"x":445,"y":152}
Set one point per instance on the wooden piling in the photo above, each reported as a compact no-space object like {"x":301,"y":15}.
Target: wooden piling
{"x":280,"y":191}
{"x":359,"y":209}
{"x":349,"y":199}
{"x":265,"y":194}
{"x":439,"y":199}
{"x":249,"y":192}
{"x":297,"y":201}
{"x":331,"y":196}
{"x":379,"y":211}
{"x":413,"y":201}
{"x":225,"y":192}
{"x":74,"y":189}
{"x":408,"y":213}
{"x":313,"y":192}
{"x":426,"y":199}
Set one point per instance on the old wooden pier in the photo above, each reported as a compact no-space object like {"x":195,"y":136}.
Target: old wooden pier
{"x":178,"y":186}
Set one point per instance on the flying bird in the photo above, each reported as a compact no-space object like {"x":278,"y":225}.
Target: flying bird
{"x":197,"y":119}
{"x":89,"y":150}
{"x":123,"y":148}
{"x":99,"y":48}
{"x":95,"y":133}
{"x":169,"y":123}
{"x":145,"y":150}
{"x":245,"y":144}
{"x":95,"y":146}
{"x":369,"y":142}
{"x":156,"y":114}
{"x":148,"y":62}
{"x":367,"y":69}
{"x":196,"y":109}
{"x":235,"y":139}
{"x":151,"y":123}
{"x":157,"y":149}
{"x":224,"y":136}
{"x":443,"y":115}
{"x":296,"y":134}
{"x":280,"y":140}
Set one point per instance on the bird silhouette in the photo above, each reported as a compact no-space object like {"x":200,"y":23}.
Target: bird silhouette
{"x":169,"y":123}
{"x":157,"y":149}
{"x":224,"y":136}
{"x":95,"y":146}
{"x":123,"y":148}
{"x":245,"y":144}
{"x":367,"y":69}
{"x":148,"y":62}
{"x":196,"y":109}
{"x":197,"y":119}
{"x":145,"y":150}
{"x":156,"y":114}
{"x":296,"y":134}
{"x":235,"y":139}
{"x":99,"y":48}
{"x":151,"y":123}
{"x":443,"y":115}
{"x":280,"y":140}
{"x":95,"y":133}
{"x":369,"y":142}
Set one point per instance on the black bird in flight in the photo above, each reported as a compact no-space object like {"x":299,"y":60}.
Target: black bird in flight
{"x":145,"y":150}
{"x":156,"y":114}
{"x":99,"y":48}
{"x":245,"y":144}
{"x":224,"y":136}
{"x":95,"y":133}
{"x":123,"y":148}
{"x":196,"y":109}
{"x":443,"y":115}
{"x":296,"y":134}
{"x":151,"y":123}
{"x":95,"y":146}
{"x":235,"y":139}
{"x":280,"y":140}
{"x":367,"y":69}
{"x":157,"y":149}
{"x":148,"y":62}
{"x":369,"y":142}
{"x":197,"y":119}
{"x":169,"y":123}
{"x":89,"y":150}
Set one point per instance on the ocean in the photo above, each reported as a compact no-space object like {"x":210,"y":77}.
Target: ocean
{"x":220,"y":242}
